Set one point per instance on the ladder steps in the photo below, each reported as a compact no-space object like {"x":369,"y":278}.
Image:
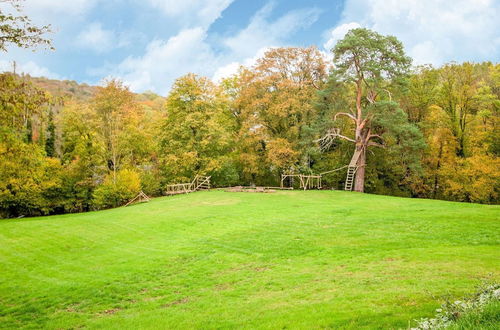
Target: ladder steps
{"x":351,"y":171}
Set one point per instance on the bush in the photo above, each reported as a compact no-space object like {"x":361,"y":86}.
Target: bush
{"x":115,"y":192}
{"x":480,"y":310}
{"x":151,"y":183}
{"x":29,"y":182}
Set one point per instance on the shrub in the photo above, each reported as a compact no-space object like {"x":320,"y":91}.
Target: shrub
{"x":151,"y":183}
{"x":465,"y":311}
{"x":115,"y":192}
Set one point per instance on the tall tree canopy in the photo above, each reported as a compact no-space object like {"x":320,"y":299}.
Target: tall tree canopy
{"x":196,"y":135}
{"x":275,"y":108}
{"x":371,"y":63}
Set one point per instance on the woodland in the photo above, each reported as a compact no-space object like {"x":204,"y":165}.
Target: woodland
{"x":420,"y":131}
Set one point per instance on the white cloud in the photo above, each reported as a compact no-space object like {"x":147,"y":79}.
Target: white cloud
{"x":97,"y":39}
{"x":261,"y":33}
{"x":190,"y":51}
{"x":433,"y":31}
{"x":165,"y":61}
{"x":338,"y":33}
{"x":192,"y":12}
{"x":233,"y":67}
{"x":30,"y":68}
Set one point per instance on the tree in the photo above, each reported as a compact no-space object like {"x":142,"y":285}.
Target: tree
{"x":18,"y":29}
{"x":458,"y":86}
{"x":196,"y":135}
{"x":50,"y":143}
{"x":370,"y":63}
{"x":83,"y":156}
{"x":275,"y":108}
{"x":27,"y":178}
{"x":421,"y":93}
{"x":20,"y":102}
{"x":117,"y":120}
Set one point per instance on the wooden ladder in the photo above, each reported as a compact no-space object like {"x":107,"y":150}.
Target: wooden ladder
{"x":351,"y":170}
{"x":349,"y":180}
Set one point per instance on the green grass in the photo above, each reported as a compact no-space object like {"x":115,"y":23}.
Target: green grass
{"x":486,"y":319}
{"x":314,"y":259}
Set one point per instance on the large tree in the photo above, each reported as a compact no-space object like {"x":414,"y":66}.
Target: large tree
{"x":370,"y":63}
{"x":275,"y":108}
{"x":119,"y":122}
{"x":196,"y":134}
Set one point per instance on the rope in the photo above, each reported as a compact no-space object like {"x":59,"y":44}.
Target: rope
{"x":335,"y":170}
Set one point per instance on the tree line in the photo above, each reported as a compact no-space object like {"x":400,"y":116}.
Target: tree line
{"x":419,"y":131}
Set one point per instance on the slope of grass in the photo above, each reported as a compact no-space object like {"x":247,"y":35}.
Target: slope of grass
{"x":314,"y":259}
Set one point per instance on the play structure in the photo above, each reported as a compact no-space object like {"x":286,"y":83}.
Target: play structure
{"x":140,"y":198}
{"x":313,"y":181}
{"x":199,"y":183}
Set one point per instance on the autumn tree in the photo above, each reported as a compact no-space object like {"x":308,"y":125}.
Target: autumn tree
{"x":196,"y":134}
{"x":275,"y":107}
{"x":370,"y":63}
{"x":420,"y":93}
{"x":18,"y":30}
{"x":118,"y":122}
{"x":458,"y":87}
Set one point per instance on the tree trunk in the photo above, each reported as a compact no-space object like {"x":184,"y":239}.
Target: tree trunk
{"x":359,"y":182}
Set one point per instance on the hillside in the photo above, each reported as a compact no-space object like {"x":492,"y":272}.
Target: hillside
{"x":216,"y":259}
{"x":65,"y":88}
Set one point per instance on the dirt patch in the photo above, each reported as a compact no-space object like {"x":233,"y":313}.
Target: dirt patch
{"x":177,"y":302}
{"x":251,"y":189}
{"x":110,"y":311}
{"x":222,"y":287}
{"x":261,"y":269}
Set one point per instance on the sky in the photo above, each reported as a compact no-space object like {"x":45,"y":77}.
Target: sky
{"x":149,"y":43}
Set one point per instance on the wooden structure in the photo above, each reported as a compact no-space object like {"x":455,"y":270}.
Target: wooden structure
{"x":314,"y":181}
{"x":306,"y":181}
{"x":351,"y":170}
{"x":140,"y":198}
{"x":199,"y":183}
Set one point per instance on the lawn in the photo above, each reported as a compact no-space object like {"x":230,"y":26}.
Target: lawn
{"x":294,"y":259}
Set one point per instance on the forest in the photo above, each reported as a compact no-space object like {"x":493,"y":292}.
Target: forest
{"x":426,"y":132}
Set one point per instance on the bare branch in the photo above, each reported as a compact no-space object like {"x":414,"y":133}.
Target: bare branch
{"x":327,"y":141}
{"x":373,"y":136}
{"x":371,"y":96}
{"x":390,"y":95}
{"x":344,"y":114}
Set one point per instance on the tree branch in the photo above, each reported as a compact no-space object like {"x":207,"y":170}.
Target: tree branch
{"x":326,"y":141}
{"x":375,"y":144}
{"x":344,"y":114}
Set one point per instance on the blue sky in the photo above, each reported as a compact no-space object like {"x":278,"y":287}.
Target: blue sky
{"x":149,"y":43}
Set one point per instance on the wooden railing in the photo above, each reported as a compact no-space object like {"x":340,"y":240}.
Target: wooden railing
{"x":198,"y":183}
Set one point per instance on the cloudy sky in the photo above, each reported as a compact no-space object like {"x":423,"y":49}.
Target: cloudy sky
{"x":149,"y":43}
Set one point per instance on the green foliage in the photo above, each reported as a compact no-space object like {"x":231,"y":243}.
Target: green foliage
{"x":481,"y":311}
{"x":20,"y":102}
{"x":50,"y":143}
{"x":27,"y":178}
{"x":117,"y":189}
{"x":429,"y":132}
{"x":367,"y":55}
{"x":196,"y":135}
{"x":151,"y":182}
{"x":18,"y":30}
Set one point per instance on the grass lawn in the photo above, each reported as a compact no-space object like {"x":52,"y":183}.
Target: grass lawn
{"x":294,"y":259}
